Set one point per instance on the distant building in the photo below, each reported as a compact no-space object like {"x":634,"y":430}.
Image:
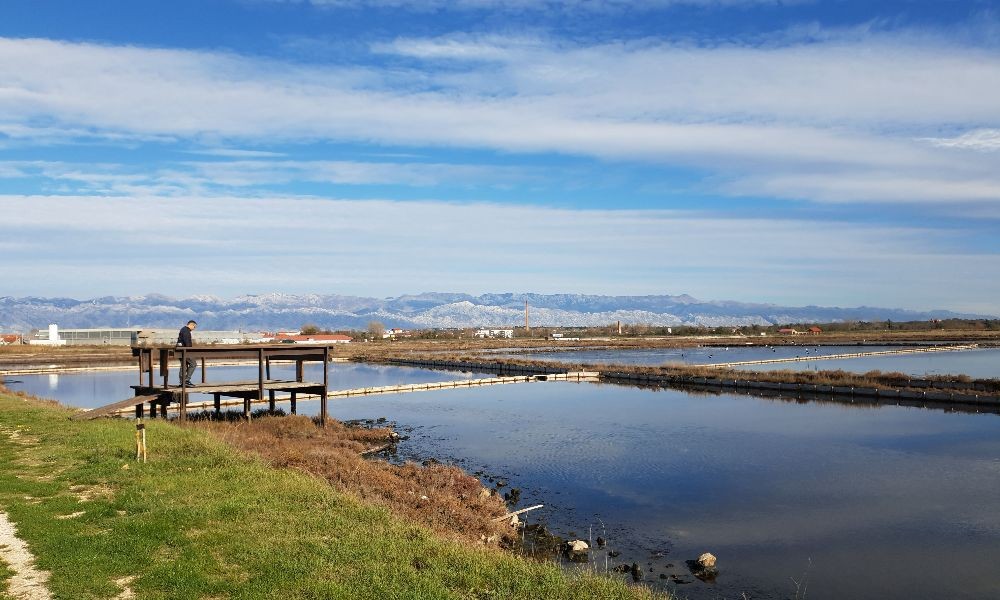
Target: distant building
{"x":394,"y":333}
{"x":47,"y":337}
{"x":317,"y":338}
{"x":789,"y":331}
{"x":495,"y":333}
{"x":7,"y":339}
{"x":815,"y":331}
{"x":559,"y":337}
{"x":115,"y":336}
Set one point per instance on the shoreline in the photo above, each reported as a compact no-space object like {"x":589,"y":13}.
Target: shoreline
{"x":403,"y":534}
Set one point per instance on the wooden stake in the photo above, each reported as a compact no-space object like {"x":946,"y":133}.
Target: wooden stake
{"x":140,"y":441}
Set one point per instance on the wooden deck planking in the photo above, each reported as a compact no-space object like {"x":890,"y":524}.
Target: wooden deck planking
{"x":116,"y":407}
{"x":240,"y":387}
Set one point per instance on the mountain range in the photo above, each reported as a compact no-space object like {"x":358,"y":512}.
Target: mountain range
{"x":427,"y":310}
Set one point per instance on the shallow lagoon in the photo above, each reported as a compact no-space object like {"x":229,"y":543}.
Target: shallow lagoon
{"x":887,"y":502}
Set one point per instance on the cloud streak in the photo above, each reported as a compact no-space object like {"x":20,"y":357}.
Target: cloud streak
{"x":767,"y":117}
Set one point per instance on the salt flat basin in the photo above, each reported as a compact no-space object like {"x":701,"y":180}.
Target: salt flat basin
{"x":983,"y":363}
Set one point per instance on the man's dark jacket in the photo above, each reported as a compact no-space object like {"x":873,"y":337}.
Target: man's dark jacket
{"x":184,"y":337}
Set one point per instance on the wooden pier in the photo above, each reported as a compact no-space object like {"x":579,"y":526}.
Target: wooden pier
{"x":154,"y":386}
{"x":125,"y":406}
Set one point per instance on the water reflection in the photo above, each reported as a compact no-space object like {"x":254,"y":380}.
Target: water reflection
{"x":875,"y":499}
{"x":96,"y":388}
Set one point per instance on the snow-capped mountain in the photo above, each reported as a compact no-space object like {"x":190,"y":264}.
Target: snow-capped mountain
{"x":428,"y":310}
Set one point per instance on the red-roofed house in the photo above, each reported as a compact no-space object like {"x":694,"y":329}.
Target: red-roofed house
{"x":10,"y":338}
{"x":815,"y":331}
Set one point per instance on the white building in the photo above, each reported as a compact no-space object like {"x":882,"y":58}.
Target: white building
{"x":49,"y":337}
{"x":495,"y":333}
{"x":53,"y":336}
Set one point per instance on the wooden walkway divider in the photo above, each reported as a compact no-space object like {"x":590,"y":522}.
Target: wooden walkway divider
{"x":766,"y":361}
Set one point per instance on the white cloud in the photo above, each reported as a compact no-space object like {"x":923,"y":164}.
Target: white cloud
{"x":197,"y":177}
{"x":777,"y":117}
{"x":237,"y":153}
{"x":876,"y":186}
{"x":230,"y":245}
{"x":984,"y":140}
{"x":248,"y":173}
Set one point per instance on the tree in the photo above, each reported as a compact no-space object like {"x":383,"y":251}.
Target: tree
{"x":376,"y":330}
{"x":309,"y":329}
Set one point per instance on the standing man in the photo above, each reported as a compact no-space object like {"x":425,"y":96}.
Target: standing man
{"x":184,"y":341}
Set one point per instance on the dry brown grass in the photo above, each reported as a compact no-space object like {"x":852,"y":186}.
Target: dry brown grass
{"x":442,"y":497}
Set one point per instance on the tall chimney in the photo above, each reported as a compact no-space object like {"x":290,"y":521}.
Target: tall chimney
{"x":527,"y":325}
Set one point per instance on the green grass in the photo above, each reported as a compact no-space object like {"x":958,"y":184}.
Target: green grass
{"x":201,"y":521}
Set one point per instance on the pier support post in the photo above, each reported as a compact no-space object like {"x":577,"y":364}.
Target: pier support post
{"x":326,"y":385}
{"x":260,"y":384}
{"x":164,"y":367}
{"x":184,"y":395}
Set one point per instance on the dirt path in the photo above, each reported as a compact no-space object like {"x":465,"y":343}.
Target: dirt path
{"x":27,"y":582}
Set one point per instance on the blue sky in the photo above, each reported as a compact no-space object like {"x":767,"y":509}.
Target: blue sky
{"x":796,"y":152}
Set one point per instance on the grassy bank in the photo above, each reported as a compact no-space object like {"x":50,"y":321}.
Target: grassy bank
{"x":201,"y":520}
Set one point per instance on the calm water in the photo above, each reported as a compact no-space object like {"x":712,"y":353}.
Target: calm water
{"x":97,"y":388}
{"x":696,"y":356}
{"x":887,"y":502}
{"x":981,"y":363}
